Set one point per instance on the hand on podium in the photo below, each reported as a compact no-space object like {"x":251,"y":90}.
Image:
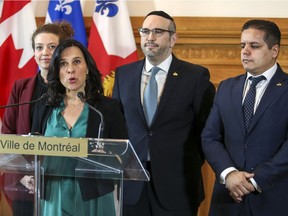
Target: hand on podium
{"x":28,"y":182}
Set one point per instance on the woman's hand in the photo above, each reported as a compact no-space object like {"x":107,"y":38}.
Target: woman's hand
{"x":28,"y":182}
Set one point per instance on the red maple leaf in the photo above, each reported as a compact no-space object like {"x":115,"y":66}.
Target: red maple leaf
{"x":9,"y":70}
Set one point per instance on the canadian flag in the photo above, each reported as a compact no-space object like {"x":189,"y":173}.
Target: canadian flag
{"x":111,"y":40}
{"x":17,"y":24}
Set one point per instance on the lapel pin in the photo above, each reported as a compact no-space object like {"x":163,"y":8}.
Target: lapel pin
{"x":175,"y":74}
{"x":279,"y":84}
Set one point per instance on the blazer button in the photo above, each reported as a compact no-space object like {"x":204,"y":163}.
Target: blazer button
{"x":246,"y":145}
{"x":150,"y":133}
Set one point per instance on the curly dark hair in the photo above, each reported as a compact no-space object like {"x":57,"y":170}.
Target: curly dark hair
{"x":57,"y":91}
{"x":62,"y":29}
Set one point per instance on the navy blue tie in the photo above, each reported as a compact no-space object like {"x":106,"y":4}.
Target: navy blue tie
{"x":151,"y":96}
{"x":249,"y":102}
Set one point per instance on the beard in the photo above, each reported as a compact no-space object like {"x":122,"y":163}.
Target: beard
{"x":155,"y":52}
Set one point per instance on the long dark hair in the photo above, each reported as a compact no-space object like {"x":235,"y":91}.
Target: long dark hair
{"x":57,"y":91}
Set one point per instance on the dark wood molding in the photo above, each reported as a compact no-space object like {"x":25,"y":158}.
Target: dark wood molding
{"x":210,"y":41}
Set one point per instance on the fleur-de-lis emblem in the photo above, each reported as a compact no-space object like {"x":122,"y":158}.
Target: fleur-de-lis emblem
{"x":107,"y":7}
{"x":64,"y":6}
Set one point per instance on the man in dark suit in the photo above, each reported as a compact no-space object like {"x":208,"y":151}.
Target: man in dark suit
{"x":168,"y":146}
{"x":248,"y":151}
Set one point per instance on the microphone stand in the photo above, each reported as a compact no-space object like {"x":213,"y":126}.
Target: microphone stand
{"x":24,"y":103}
{"x":99,"y":146}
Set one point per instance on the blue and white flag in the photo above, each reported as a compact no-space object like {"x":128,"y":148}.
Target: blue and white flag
{"x":70,"y":11}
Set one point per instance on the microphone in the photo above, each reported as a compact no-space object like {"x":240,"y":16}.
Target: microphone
{"x":101,"y":125}
{"x":28,"y":102}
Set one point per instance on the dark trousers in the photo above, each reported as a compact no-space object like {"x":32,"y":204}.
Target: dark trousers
{"x":149,"y":204}
{"x":22,"y":208}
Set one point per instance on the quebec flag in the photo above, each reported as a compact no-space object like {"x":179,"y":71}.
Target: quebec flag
{"x":70,"y":11}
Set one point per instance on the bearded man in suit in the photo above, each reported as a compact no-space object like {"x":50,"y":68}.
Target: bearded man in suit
{"x":165,"y":134}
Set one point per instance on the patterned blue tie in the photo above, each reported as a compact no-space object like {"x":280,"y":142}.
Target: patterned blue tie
{"x":150,"y":96}
{"x":249,"y":102}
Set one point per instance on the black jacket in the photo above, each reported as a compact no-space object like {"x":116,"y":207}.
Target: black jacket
{"x":114,"y":128}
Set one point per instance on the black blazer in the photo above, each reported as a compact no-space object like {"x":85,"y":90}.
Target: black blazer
{"x":115,"y":128}
{"x":174,"y":136}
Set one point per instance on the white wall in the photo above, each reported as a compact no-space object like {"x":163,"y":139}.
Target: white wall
{"x":198,"y":8}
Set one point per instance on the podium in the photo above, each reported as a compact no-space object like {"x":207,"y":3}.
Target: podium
{"x":81,"y":176}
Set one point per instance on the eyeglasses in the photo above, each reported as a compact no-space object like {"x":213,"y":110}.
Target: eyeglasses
{"x":157,"y":32}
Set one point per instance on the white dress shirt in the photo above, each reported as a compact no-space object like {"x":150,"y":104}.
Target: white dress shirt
{"x":160,"y":76}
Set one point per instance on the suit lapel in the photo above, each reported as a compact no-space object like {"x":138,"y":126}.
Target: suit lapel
{"x":136,"y":78}
{"x":237,"y":94}
{"x":27,"y":95}
{"x":169,"y":85}
{"x":274,"y":89}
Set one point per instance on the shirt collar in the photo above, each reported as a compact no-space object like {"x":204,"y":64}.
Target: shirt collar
{"x":164,"y":66}
{"x":268,"y":74}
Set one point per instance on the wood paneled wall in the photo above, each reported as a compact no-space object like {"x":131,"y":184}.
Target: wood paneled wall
{"x":214,"y":43}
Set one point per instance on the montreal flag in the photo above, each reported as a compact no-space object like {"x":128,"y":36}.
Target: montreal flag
{"x":111,"y":40}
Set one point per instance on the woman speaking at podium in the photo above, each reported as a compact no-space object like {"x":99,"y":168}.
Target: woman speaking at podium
{"x":19,"y":119}
{"x":72,"y":70}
